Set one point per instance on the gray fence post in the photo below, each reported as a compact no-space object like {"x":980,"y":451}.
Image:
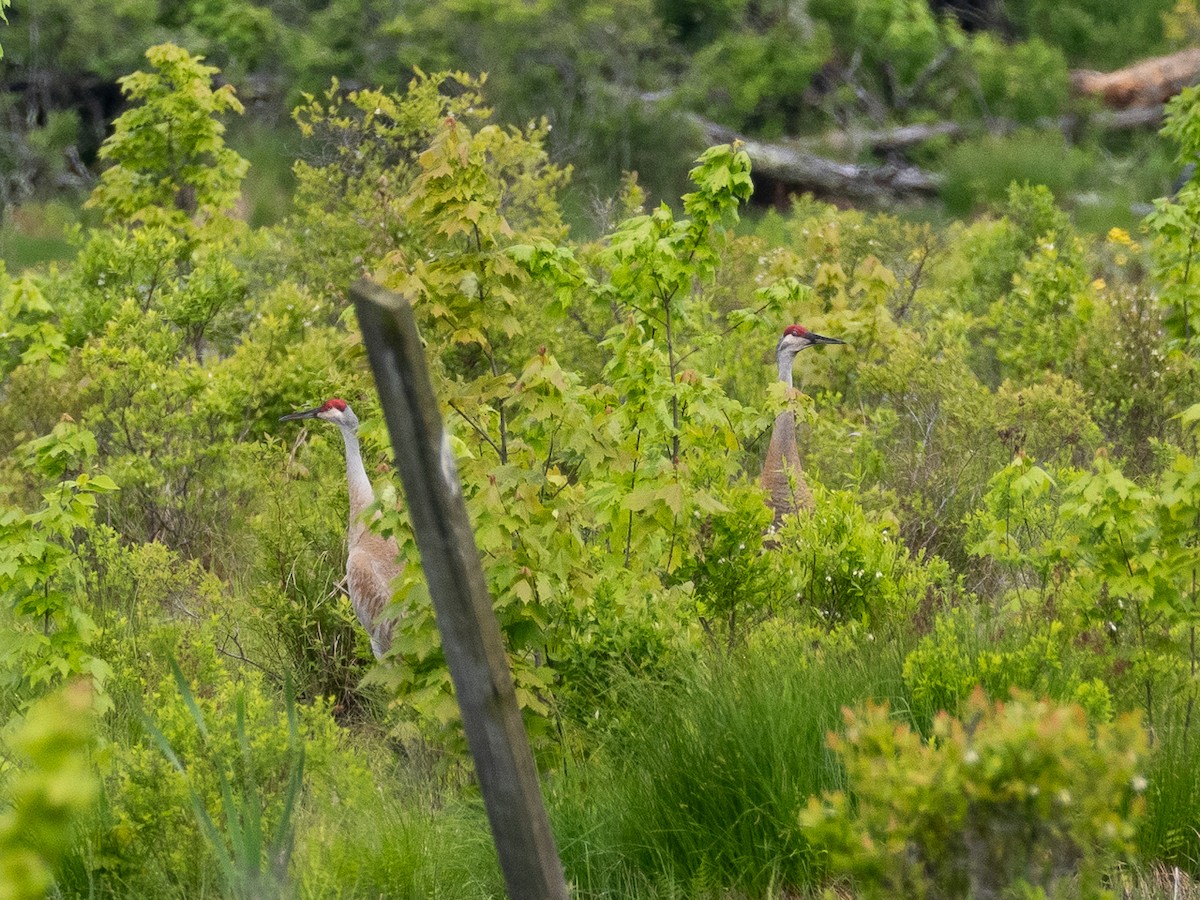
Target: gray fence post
{"x":470,"y":633}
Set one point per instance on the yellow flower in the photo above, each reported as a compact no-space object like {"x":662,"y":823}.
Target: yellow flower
{"x":1120,"y":236}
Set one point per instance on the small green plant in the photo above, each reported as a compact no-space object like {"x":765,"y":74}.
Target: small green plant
{"x":756,"y":82}
{"x":253,"y":857}
{"x":1023,"y":81}
{"x":1022,"y":798}
{"x":734,"y":582}
{"x":967,"y":650}
{"x":1174,"y":226}
{"x":848,"y":566}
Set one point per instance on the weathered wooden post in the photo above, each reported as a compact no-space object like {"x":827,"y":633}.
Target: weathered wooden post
{"x":470,"y":633}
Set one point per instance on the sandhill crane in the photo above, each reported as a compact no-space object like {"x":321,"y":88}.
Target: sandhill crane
{"x":373,"y":561}
{"x":787,"y":495}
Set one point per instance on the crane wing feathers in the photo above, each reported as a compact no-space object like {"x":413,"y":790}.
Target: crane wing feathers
{"x":369,"y":577}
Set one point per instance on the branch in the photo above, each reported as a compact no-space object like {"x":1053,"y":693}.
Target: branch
{"x":477,"y":429}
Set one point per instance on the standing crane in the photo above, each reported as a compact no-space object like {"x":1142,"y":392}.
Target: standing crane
{"x":783,"y":477}
{"x":372,"y":563}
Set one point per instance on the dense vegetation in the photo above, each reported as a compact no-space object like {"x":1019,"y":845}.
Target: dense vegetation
{"x":971,"y":669}
{"x":616,"y":81}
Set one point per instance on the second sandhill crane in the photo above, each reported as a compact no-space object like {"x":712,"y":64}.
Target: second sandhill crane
{"x":373,"y":561}
{"x":783,"y":476}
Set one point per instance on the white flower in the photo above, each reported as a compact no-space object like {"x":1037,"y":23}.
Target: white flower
{"x":971,"y":757}
{"x":1140,"y":783}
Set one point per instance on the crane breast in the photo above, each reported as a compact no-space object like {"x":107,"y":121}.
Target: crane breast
{"x":783,"y":475}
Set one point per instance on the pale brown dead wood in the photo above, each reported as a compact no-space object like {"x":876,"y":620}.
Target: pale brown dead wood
{"x":790,"y":163}
{"x":1146,"y":83}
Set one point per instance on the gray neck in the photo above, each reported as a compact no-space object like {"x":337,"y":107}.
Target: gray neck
{"x":784,"y":359}
{"x":361,"y":494}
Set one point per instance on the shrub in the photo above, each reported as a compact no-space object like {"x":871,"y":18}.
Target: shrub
{"x":756,"y":82}
{"x":1021,"y":798}
{"x":980,"y":171}
{"x":966,"y":651}
{"x":234,"y":750}
{"x":848,"y":566}
{"x":1025,"y":81}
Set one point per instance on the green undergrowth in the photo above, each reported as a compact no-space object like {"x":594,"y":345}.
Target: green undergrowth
{"x":704,"y":787}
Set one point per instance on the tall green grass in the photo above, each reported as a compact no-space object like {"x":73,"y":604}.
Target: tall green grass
{"x":702,"y":792}
{"x":1170,"y":832}
{"x":400,"y":845}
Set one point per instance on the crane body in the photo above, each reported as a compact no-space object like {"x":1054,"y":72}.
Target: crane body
{"x":372,"y":561}
{"x":783,"y":476}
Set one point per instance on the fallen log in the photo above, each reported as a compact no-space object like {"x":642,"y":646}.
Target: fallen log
{"x":1146,"y":83}
{"x":799,"y":169}
{"x":885,"y":140}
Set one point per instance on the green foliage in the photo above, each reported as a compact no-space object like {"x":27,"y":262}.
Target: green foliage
{"x":1173,"y":225}
{"x":628,"y":487}
{"x":48,"y":631}
{"x":1022,"y":82}
{"x":26,"y":320}
{"x":608,"y":402}
{"x":966,"y":651}
{"x":228,"y":770}
{"x":735,"y":583}
{"x":169,"y":159}
{"x":848,"y":567}
{"x":1165,"y":832}
{"x":1052,"y":293}
{"x":980,"y":171}
{"x":578,"y":65}
{"x":756,"y":82}
{"x":1102,"y":34}
{"x":1019,"y":798}
{"x":49,"y":785}
{"x":901,"y":35}
{"x":398,"y":841}
{"x":243,"y":37}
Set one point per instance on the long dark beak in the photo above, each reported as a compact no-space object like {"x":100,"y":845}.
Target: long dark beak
{"x":821,"y":339}
{"x":304,"y":414}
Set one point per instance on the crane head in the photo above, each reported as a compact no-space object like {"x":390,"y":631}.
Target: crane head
{"x":334,"y":410}
{"x":797,"y":337}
